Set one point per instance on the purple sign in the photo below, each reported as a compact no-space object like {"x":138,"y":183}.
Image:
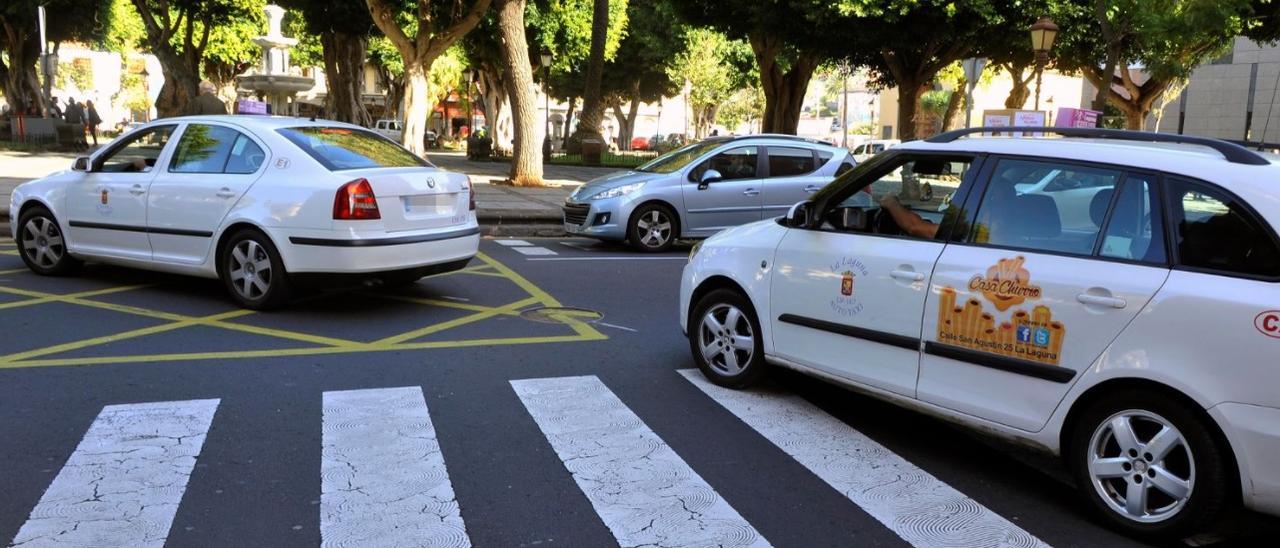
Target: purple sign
{"x":1077,"y":117}
{"x":249,"y":106}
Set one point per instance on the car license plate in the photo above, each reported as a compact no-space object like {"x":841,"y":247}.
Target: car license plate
{"x":429,"y":204}
{"x":572,"y":228}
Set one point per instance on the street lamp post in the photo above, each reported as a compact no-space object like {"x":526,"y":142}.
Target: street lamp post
{"x":1043,"y":33}
{"x":546,"y":105}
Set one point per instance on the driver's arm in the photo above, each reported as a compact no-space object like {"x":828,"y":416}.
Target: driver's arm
{"x":909,"y":221}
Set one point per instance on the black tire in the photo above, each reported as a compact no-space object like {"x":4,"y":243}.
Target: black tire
{"x":717,"y":368}
{"x":42,"y":244}
{"x":255,"y":290}
{"x":645,"y":232}
{"x":1210,"y":487}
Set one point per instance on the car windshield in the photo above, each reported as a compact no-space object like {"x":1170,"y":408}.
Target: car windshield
{"x":340,"y":148}
{"x":678,"y":158}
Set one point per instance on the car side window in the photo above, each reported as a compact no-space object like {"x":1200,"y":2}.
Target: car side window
{"x":1212,"y":230}
{"x":1134,"y":231}
{"x":1020,"y":208}
{"x":139,"y":153}
{"x":790,"y":161}
{"x":920,"y":188}
{"x":846,"y":166}
{"x":208,"y":149}
{"x":735,"y":163}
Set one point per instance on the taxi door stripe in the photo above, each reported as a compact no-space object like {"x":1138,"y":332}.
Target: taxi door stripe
{"x":643,"y":491}
{"x":916,"y":506}
{"x":123,"y":483}
{"x":383,"y":478}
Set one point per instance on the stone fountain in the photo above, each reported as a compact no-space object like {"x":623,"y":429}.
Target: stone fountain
{"x":274,"y":79}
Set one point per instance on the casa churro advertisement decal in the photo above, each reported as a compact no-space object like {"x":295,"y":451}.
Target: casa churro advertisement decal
{"x":1007,"y":331}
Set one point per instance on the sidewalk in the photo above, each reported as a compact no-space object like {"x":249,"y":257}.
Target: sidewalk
{"x":502,"y":210}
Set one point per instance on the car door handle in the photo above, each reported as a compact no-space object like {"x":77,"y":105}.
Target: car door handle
{"x":907,"y":275}
{"x":1099,"y":300}
{"x":225,"y":192}
{"x":812,"y":188}
{"x":137,"y":190}
{"x":751,"y":192}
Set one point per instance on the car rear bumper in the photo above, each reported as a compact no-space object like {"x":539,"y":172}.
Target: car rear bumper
{"x":1254,"y":432}
{"x":315,"y":251}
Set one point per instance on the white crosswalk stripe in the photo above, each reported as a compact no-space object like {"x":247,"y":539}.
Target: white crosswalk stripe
{"x":918,"y":507}
{"x":534,"y":251}
{"x":643,"y":491}
{"x":123,"y":483}
{"x":383,"y":478}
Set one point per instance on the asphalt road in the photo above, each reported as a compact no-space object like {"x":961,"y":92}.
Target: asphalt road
{"x":144,"y":409}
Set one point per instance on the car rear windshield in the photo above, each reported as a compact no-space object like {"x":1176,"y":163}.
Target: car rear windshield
{"x":340,"y":148}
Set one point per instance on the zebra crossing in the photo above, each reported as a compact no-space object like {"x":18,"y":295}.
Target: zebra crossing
{"x":385,"y":481}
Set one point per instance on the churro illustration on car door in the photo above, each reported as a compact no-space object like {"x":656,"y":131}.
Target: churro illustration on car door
{"x":1029,"y":335}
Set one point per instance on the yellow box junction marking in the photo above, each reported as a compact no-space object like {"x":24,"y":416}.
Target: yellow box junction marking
{"x":325,"y":345}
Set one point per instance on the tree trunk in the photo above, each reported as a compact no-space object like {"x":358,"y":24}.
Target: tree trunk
{"x":908,"y":105}
{"x":526,"y":157}
{"x":953,"y":105}
{"x":181,"y":85}
{"x":1021,"y":90}
{"x":21,"y":86}
{"x":344,"y":55}
{"x":417,"y":106}
{"x":627,"y":120}
{"x":783,"y":92}
{"x":592,"y":98}
{"x":568,"y":117}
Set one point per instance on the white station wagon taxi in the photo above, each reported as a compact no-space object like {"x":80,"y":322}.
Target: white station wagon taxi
{"x":1111,"y":298}
{"x":262,"y":203}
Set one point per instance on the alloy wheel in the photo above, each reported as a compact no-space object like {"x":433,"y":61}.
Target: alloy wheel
{"x":250,"y":270}
{"x":1141,"y":466}
{"x":42,"y":242}
{"x":654,"y":228}
{"x":726,"y":340}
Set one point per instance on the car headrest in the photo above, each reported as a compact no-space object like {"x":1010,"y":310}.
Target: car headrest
{"x":1098,"y":206}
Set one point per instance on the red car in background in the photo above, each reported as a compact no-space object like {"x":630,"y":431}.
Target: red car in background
{"x":639,"y":143}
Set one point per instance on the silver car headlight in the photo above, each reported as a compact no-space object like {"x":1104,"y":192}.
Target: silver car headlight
{"x":617,"y":191}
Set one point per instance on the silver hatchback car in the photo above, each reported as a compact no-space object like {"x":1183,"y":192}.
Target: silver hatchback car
{"x":702,"y":188}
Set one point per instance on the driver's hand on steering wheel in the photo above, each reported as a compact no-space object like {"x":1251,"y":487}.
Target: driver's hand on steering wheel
{"x":890,"y":201}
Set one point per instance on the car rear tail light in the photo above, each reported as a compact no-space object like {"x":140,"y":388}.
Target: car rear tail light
{"x":471,"y":195}
{"x":355,"y":201}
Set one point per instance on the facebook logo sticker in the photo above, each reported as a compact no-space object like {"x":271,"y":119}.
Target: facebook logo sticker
{"x":1024,"y":334}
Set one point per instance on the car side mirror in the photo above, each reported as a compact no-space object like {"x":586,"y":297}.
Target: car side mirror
{"x":849,"y":219}
{"x":709,"y":176}
{"x":81,"y":164}
{"x":799,"y":214}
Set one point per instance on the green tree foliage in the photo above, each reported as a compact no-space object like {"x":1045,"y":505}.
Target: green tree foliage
{"x":745,"y":106}
{"x":422,"y":31}
{"x":638,"y":71}
{"x":1168,"y":38}
{"x":336,"y":37}
{"x":20,"y":43}
{"x":710,"y":77}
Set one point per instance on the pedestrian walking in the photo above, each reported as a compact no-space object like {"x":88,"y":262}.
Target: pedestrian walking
{"x":74,"y":115}
{"x":92,"y":121}
{"x":54,"y":110}
{"x":207,"y":102}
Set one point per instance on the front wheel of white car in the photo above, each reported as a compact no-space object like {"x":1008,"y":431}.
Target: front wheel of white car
{"x":42,"y":244}
{"x":253,"y":272}
{"x":1149,"y":465}
{"x":724,"y":336}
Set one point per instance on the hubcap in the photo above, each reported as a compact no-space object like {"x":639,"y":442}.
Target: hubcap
{"x":726,"y":340}
{"x":42,"y":242}
{"x":654,"y":228}
{"x":250,"y":270}
{"x":1141,"y":466}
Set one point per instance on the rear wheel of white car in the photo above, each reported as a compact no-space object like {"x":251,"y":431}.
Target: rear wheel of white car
{"x":653,"y":228}
{"x":1149,"y":465}
{"x":253,"y":272}
{"x":724,"y":336}
{"x":42,"y":244}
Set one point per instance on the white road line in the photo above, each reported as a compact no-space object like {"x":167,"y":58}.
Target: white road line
{"x":383,"y":479}
{"x":534,"y":251}
{"x":512,"y":243}
{"x":622,"y":327}
{"x":920,"y":508}
{"x":458,"y":299}
{"x":123,"y":483}
{"x":643,"y":491}
{"x":629,"y":258}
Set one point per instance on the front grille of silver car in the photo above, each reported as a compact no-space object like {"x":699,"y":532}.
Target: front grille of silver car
{"x":576,"y":213}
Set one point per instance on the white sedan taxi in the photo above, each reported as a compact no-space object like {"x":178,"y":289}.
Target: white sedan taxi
{"x":1111,"y":297}
{"x":264,"y":203}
